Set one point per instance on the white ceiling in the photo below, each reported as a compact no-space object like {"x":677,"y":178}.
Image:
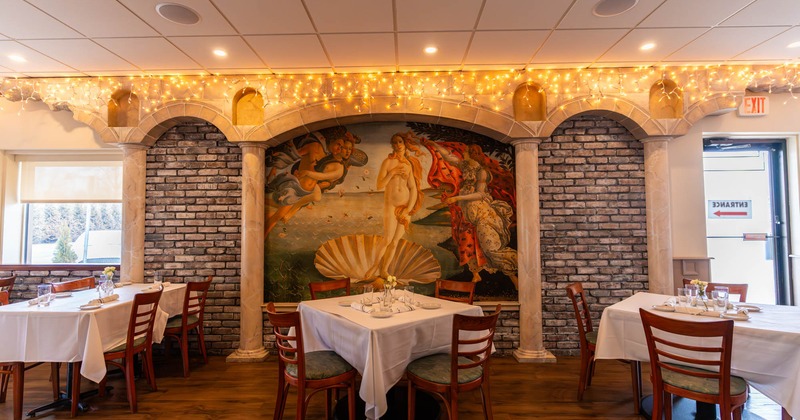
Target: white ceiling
{"x":128,"y":37}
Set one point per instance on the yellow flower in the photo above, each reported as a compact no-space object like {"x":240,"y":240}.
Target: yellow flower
{"x":109,"y":271}
{"x":391,"y":281}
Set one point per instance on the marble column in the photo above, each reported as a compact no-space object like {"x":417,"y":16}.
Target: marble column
{"x":251,"y":284}
{"x":134,"y":166}
{"x":531,"y":344}
{"x":659,"y":218}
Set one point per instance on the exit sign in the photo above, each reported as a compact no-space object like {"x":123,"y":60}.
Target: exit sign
{"x":753,"y":106}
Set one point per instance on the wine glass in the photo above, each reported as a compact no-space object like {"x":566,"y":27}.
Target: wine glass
{"x":44,"y":294}
{"x":409,"y":298}
{"x":720,"y":297}
{"x":158,"y":280}
{"x":683,"y":297}
{"x":366,"y":298}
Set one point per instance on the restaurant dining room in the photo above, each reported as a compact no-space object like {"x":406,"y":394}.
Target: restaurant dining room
{"x":399,"y":209}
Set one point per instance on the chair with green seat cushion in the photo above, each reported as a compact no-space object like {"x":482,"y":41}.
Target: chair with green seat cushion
{"x":463,"y":369}
{"x":588,"y":341}
{"x":315,"y":371}
{"x":692,"y":359}
{"x":190,"y":319}
{"x":139,"y":340}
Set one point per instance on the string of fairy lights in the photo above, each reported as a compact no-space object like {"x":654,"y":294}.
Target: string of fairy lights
{"x":488,"y":89}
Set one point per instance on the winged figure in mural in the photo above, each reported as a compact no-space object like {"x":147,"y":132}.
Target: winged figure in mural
{"x":302,"y":169}
{"x":480,"y":196}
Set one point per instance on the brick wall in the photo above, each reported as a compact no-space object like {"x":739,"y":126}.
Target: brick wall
{"x":592,"y":195}
{"x":192,"y":221}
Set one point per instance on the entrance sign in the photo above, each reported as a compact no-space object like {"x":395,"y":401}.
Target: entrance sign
{"x":754,"y":106}
{"x":730,"y":209}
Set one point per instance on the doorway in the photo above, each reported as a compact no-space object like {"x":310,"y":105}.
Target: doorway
{"x":746,"y":216}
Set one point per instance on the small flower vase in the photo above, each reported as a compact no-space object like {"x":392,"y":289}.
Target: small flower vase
{"x":386,"y":303}
{"x":110,"y":277}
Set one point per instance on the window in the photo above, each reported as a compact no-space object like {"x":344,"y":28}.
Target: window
{"x":72,"y":209}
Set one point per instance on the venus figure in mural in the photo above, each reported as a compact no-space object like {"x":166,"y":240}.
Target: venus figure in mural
{"x":399,"y":177}
{"x":491,"y":218}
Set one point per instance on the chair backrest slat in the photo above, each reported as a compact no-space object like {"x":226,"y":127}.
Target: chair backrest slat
{"x":477,"y":350}
{"x":316,"y":287}
{"x":739,"y":289}
{"x":456,"y":291}
{"x":7,"y":283}
{"x":3,"y":297}
{"x":290,"y":347}
{"x":581,"y":308}
{"x":143,"y":317}
{"x":66,"y":286}
{"x":194,"y":302}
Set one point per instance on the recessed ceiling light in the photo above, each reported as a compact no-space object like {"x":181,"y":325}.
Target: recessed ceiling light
{"x":431,"y":50}
{"x":220,"y":53}
{"x":609,"y":8}
{"x":647,"y":46}
{"x":795,"y":44}
{"x":17,"y":58}
{"x":177,"y":13}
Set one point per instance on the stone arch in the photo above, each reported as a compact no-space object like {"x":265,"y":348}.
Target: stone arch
{"x":627,"y":113}
{"x":155,"y":124}
{"x":123,"y":109}
{"x":530,"y":102}
{"x":666,"y":99}
{"x":248,"y":107}
{"x":299,"y":121}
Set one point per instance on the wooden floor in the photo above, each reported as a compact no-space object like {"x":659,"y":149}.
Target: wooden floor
{"x":223,"y":390}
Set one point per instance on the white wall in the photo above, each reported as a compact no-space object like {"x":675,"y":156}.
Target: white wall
{"x":36,"y":127}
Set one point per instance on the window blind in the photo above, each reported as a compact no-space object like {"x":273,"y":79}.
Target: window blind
{"x":96,"y":181}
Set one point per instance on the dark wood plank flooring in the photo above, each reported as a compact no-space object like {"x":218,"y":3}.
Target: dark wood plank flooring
{"x":223,"y":390}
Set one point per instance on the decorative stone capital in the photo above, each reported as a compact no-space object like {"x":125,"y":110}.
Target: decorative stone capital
{"x":132,"y":146}
{"x":259,"y":144}
{"x":656,"y":139}
{"x":527,"y":141}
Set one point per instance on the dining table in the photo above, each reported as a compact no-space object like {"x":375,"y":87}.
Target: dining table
{"x":380,"y":348}
{"x":765,"y":342}
{"x":63,"y":331}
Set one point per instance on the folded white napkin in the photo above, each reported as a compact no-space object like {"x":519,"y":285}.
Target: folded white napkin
{"x":33,"y":301}
{"x":400,"y":308}
{"x":689,"y":310}
{"x":106,"y":299}
{"x":359,"y":307}
{"x":713,"y":314}
{"x":671,"y":302}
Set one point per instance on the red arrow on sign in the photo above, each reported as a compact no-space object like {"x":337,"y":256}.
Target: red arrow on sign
{"x":730,"y":213}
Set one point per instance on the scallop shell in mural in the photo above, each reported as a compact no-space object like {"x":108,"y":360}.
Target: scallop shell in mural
{"x":352,"y":256}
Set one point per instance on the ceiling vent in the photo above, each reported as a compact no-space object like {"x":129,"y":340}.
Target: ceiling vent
{"x":609,"y":8}
{"x":177,"y":13}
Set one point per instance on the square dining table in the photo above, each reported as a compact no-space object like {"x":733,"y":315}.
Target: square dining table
{"x":766,"y":348}
{"x":63,"y":332}
{"x":379,"y":348}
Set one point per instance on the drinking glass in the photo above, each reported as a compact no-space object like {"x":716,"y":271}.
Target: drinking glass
{"x":683,"y":297}
{"x":366,"y":298}
{"x":409,"y":295}
{"x":691,"y":294}
{"x":158,"y":279}
{"x":44,"y":294}
{"x":98,"y":281}
{"x":720,"y":296}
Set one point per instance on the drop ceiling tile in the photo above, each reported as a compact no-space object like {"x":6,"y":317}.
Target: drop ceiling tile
{"x":20,"y":20}
{"x":233,"y":71}
{"x":504,"y":47}
{"x":211,"y":21}
{"x":451,"y":45}
{"x":492,"y":67}
{"x":775,"y":48}
{"x":200,"y":49}
{"x":365,"y":69}
{"x":439,"y":15}
{"x":177,"y":72}
{"x":767,"y":13}
{"x":34,"y":61}
{"x":96,"y":18}
{"x":303,"y":70}
{"x":148,"y":53}
{"x":285,"y":51}
{"x":693,"y":13}
{"x":721,"y":44}
{"x":667,"y":41}
{"x":581,"y":16}
{"x":566,"y":46}
{"x":367,"y":50}
{"x":128,"y":73}
{"x":434,"y":67}
{"x":522,"y":14}
{"x":371,"y":16}
{"x":59,"y":74}
{"x":254,"y":17}
{"x":81,"y":54}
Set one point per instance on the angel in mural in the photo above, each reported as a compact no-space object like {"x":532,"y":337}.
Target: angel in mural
{"x":399,"y":177}
{"x":481,"y":205}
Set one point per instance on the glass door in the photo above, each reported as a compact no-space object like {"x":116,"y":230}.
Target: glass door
{"x":746,"y":222}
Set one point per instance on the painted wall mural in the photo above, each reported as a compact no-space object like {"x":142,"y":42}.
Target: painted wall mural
{"x":412,"y":200}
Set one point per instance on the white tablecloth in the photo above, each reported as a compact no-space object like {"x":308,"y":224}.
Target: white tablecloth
{"x":62,"y":332}
{"x":766,"y":349}
{"x":379,"y":348}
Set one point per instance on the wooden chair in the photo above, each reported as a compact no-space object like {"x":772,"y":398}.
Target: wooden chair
{"x":318,"y":370}
{"x":588,"y":341}
{"x":70,"y":285}
{"x":179,"y":326}
{"x":456,"y":291}
{"x":674,"y":364}
{"x":465,"y":368}
{"x":139,"y":341}
{"x":7,"y":284}
{"x":3,"y":297}
{"x":5,"y":369}
{"x":327,"y":286}
{"x":733,"y":288}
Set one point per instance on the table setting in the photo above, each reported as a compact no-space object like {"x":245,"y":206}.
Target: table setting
{"x":692,"y":300}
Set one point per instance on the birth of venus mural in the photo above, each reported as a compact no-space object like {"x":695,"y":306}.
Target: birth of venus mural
{"x":412,"y":200}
